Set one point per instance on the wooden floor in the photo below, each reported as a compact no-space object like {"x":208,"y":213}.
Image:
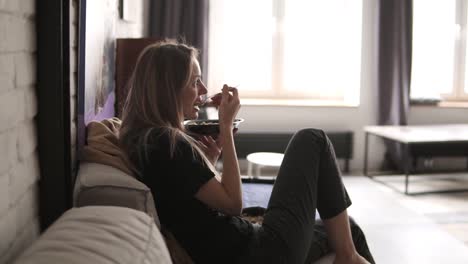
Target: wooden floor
{"x":429,"y":228}
{"x":448,"y":210}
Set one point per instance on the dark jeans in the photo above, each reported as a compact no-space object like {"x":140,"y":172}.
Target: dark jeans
{"x":308,"y":179}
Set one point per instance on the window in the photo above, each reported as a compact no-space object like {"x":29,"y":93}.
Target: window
{"x":299,"y":50}
{"x":439,"y":50}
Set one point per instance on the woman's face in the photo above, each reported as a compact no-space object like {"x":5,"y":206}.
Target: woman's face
{"x":191,"y":95}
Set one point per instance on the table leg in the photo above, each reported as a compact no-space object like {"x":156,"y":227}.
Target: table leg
{"x":257,"y":171}
{"x":249,"y":169}
{"x":406,"y":161}
{"x":366,"y":145}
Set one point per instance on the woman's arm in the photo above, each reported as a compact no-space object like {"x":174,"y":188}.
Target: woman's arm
{"x":226,"y":195}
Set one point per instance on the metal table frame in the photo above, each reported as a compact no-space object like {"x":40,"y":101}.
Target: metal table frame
{"x":462,"y":147}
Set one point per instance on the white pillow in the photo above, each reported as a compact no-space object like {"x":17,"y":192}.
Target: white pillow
{"x":99,"y":184}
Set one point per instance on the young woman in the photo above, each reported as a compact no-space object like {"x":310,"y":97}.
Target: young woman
{"x":202,"y":208}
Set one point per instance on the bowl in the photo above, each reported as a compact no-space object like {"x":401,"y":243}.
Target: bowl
{"x":209,"y":127}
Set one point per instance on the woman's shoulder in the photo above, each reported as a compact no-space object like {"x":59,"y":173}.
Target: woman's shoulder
{"x":165,"y":135}
{"x":166,"y":139}
{"x":158,"y":133}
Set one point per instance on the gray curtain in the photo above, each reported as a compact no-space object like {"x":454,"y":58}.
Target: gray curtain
{"x":394,"y":70}
{"x":182,"y":20}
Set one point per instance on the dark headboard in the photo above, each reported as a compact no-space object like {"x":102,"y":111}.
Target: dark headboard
{"x":127,"y":52}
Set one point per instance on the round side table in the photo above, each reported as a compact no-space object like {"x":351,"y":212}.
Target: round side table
{"x":257,"y":160}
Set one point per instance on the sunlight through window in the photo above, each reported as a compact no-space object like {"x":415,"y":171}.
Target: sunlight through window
{"x":433,"y":48}
{"x":295,"y":49}
{"x":439,"y":50}
{"x":322,"y":53}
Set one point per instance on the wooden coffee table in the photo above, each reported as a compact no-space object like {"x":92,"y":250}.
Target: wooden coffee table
{"x":418,"y":141}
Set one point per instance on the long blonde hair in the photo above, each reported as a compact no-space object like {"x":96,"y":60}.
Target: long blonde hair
{"x":162,"y":71}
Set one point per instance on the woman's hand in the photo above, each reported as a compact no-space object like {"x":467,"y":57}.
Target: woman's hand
{"x":214,"y":101}
{"x":228,"y":108}
{"x":225,"y":194}
{"x":211,"y":148}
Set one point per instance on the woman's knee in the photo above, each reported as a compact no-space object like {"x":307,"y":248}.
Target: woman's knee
{"x":311,"y":135}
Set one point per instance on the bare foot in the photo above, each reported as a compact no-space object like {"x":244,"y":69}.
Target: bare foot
{"x":354,"y":259}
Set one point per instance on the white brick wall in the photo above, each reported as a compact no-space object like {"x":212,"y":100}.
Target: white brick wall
{"x":7,"y":231}
{"x":7,"y":72}
{"x":11,"y":111}
{"x":18,"y":7}
{"x":30,"y":102}
{"x":23,"y":175}
{"x":8,"y":139}
{"x":4,"y":199}
{"x":16,"y":32}
{"x":27,"y":140}
{"x":19,"y":166}
{"x":25,"y":66}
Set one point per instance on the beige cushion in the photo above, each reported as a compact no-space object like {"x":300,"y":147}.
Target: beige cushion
{"x":99,"y":234}
{"x":98,"y":184}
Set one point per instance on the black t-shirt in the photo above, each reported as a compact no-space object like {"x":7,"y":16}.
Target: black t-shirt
{"x":208,"y":235}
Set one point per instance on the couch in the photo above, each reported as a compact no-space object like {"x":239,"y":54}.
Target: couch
{"x":114,"y":220}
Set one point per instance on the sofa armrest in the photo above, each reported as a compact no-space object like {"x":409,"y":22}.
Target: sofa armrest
{"x":99,"y":234}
